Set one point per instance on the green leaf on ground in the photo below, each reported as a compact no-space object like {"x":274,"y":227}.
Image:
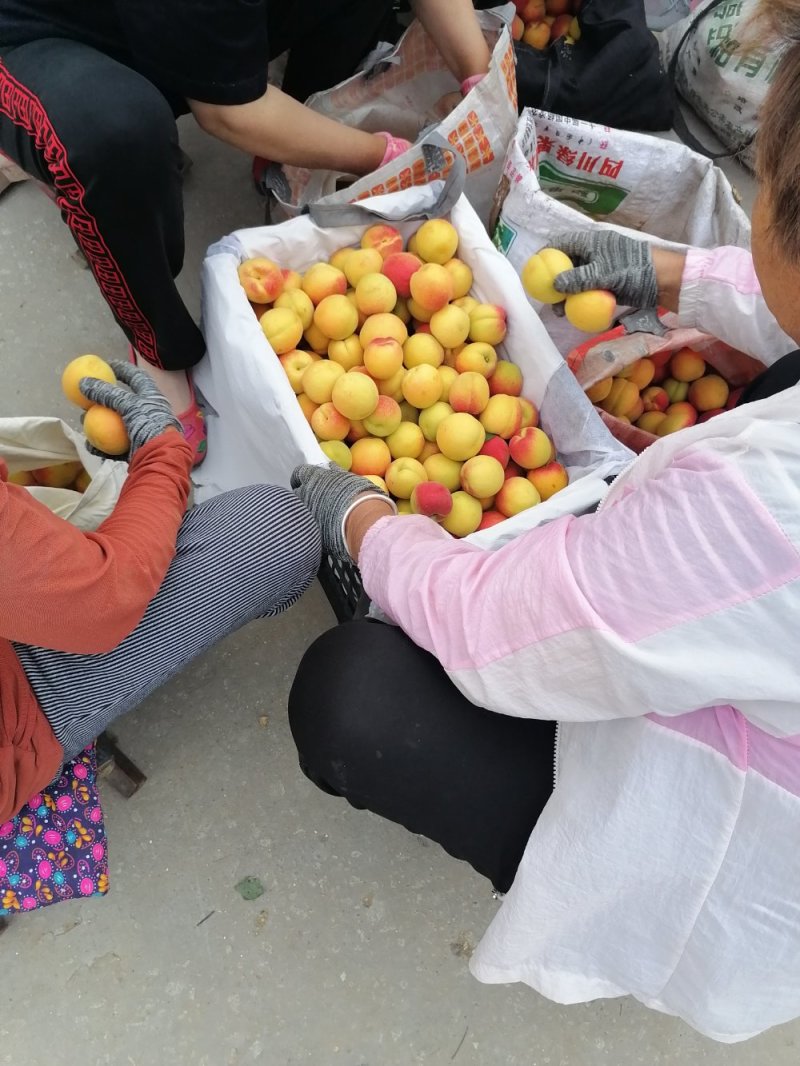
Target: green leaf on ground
{"x":250,"y":888}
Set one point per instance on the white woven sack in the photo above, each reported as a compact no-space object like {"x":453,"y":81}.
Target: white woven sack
{"x":563,"y":174}
{"x":257,"y":431}
{"x":662,"y":13}
{"x":719,"y":72}
{"x":399,"y":93}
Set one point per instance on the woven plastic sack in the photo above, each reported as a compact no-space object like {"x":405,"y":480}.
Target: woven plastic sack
{"x":257,"y":431}
{"x":561,"y":174}
{"x":662,"y":13}
{"x":722,"y":81}
{"x":400,"y":93}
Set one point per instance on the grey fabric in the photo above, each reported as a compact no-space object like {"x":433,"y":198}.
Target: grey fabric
{"x":145,"y":412}
{"x":328,"y":491}
{"x":609,"y":260}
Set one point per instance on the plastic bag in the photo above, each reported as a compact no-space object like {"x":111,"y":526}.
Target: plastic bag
{"x":612,"y":73}
{"x":603,"y":356}
{"x":30,"y":443}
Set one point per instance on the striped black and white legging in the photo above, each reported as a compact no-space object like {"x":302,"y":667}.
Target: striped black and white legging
{"x":246,"y":554}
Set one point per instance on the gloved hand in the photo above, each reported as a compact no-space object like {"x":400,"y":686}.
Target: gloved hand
{"x":611,"y":261}
{"x":395,"y":146}
{"x":330,"y":494}
{"x":468,"y":84}
{"x":450,"y":101}
{"x":144,"y":410}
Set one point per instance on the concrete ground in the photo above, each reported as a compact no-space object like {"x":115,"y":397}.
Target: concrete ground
{"x":356,"y":954}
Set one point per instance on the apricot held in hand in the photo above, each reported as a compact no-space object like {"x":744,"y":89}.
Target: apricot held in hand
{"x":591,"y":311}
{"x":85,"y":366}
{"x":539,"y":272}
{"x":105,"y":430}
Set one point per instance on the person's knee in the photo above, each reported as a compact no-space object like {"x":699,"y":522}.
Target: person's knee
{"x":335,"y":702}
{"x":275,"y":528}
{"x":128,"y":140}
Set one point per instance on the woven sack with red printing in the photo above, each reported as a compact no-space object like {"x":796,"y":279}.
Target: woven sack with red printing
{"x":401,"y":92}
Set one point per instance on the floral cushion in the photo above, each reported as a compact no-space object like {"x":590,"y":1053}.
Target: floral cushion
{"x":55,"y":848}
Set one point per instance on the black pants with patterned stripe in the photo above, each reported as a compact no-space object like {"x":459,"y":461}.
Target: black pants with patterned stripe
{"x":103,"y":138}
{"x":246,"y":554}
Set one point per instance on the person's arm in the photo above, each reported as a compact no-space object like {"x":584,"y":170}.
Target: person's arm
{"x":713,"y":290}
{"x":456,"y":32}
{"x":81,"y":592}
{"x":601,"y":616}
{"x":669,"y":273}
{"x":277,"y":127}
{"x":720,"y":293}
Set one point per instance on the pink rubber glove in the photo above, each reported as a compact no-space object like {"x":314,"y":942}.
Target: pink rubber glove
{"x":468,"y":84}
{"x":395,"y":146}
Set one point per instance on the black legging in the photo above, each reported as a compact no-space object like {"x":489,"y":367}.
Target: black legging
{"x":104,"y":139}
{"x":377,"y":720}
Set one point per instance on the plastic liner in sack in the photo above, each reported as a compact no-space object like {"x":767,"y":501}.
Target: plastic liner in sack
{"x":662,"y":13}
{"x":400,"y":93}
{"x":605,"y":355}
{"x":612,"y":74}
{"x":257,"y":431}
{"x":562,"y":174}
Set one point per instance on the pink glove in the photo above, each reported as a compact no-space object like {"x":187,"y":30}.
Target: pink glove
{"x":468,"y":84}
{"x":395,"y":146}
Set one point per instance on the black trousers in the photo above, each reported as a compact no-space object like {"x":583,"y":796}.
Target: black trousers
{"x":377,"y":721}
{"x":104,"y":139}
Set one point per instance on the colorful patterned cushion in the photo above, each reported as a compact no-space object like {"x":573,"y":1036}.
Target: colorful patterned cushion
{"x":55,"y":848}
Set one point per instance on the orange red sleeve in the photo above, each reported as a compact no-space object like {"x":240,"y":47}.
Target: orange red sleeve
{"x":81,"y":592}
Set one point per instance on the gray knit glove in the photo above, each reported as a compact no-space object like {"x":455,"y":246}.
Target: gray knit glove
{"x":330,"y":494}
{"x":611,"y":261}
{"x":143,"y":409}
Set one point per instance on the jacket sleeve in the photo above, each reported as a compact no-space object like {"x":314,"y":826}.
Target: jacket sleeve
{"x":81,"y":592}
{"x":721,"y":294}
{"x":598,"y":616}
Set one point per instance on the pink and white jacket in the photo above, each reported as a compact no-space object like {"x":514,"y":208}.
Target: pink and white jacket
{"x":662,"y":633}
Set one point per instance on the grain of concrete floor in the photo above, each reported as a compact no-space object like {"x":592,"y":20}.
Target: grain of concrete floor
{"x":357,"y":952}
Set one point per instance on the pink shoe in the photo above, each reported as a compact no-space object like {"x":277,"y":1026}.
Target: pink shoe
{"x":192,"y":420}
{"x":258,"y":170}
